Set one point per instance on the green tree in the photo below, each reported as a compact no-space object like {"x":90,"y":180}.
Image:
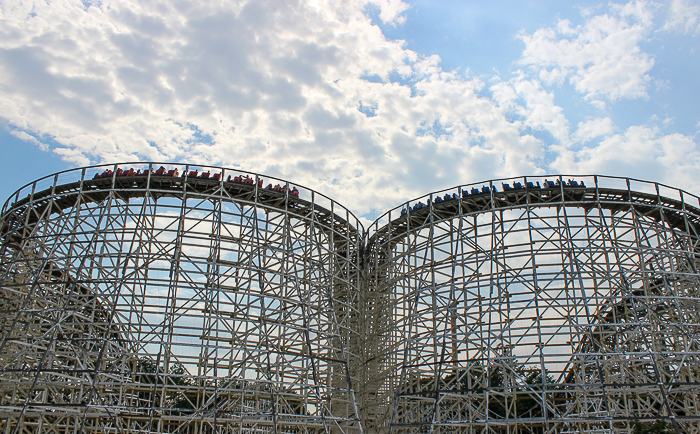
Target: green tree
{"x":658,"y":427}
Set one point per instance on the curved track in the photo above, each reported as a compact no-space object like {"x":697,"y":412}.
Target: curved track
{"x":157,"y":303}
{"x":536,"y":309}
{"x":189,"y":304}
{"x":677,"y":213}
{"x":30,"y":209}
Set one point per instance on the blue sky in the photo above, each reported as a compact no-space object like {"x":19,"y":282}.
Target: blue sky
{"x":370,"y":102}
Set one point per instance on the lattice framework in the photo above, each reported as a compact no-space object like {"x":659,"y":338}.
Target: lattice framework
{"x":167,"y":304}
{"x":558,"y":309}
{"x":161,"y":303}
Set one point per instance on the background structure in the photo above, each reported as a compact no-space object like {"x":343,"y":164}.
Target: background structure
{"x":159,"y":302}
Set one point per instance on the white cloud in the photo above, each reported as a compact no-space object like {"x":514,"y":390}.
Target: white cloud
{"x":640,"y":152}
{"x":540,"y":110}
{"x":273,"y":87}
{"x":600,"y":58}
{"x":29,"y":138}
{"x":313,"y":93}
{"x":593,"y":128}
{"x":683,"y":18}
{"x":390,"y":10}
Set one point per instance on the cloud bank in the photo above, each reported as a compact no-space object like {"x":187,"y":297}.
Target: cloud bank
{"x":315,"y":92}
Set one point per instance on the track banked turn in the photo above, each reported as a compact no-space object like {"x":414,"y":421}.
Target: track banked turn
{"x":678,"y":214}
{"x":57,"y":198}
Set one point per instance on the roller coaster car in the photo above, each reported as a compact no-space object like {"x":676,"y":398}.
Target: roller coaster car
{"x":106,"y":174}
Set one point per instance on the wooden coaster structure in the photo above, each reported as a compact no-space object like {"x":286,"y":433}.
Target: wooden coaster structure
{"x":142,"y":301}
{"x":570,"y":306}
{"x":194,"y":300}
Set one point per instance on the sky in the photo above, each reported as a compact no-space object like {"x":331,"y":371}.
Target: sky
{"x":369,"y":102}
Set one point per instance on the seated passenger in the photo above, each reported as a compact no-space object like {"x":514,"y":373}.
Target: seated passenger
{"x":160,"y":171}
{"x":269,"y":187}
{"x":193,"y":174}
{"x":295,"y":192}
{"x":260,"y":182}
{"x":438,"y":199}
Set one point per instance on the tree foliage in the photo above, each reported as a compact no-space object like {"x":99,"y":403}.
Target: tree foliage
{"x":658,"y":427}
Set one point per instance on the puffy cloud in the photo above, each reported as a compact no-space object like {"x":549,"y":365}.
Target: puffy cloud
{"x":593,"y":128}
{"x":600,"y":58}
{"x":539,"y":111}
{"x":314,"y":93}
{"x":309,"y":91}
{"x":639,"y":152}
{"x":683,"y":18}
{"x":390,"y":10}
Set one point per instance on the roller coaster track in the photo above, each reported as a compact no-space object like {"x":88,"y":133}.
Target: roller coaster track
{"x":678,"y":214}
{"x":26,"y":212}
